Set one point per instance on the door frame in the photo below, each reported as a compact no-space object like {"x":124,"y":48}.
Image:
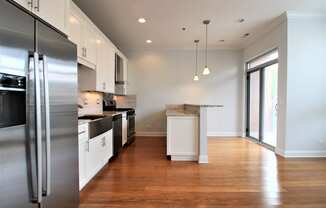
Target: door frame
{"x":261,"y":69}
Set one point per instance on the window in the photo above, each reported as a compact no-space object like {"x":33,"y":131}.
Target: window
{"x":270,"y":56}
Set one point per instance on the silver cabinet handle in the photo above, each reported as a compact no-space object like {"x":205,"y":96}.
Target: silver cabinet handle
{"x":30,"y":4}
{"x":104,"y":85}
{"x":47,"y":190}
{"x":87,"y":145}
{"x":86,"y":52}
{"x":37,"y":6}
{"x":82,"y":132}
{"x":38,"y":126}
{"x":103,"y":142}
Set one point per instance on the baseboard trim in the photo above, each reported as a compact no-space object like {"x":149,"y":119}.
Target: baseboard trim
{"x":224,"y":134}
{"x":203,"y":159}
{"x":279,"y":152}
{"x":184,"y":157}
{"x":300,"y":153}
{"x":150,"y":133}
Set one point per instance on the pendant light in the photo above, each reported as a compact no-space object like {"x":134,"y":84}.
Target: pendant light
{"x":206,"y":69}
{"x":196,"y":78}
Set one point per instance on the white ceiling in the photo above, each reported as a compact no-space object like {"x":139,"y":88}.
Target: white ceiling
{"x":165,"y":18}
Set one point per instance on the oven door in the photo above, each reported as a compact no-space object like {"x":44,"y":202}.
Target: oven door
{"x":131,"y":128}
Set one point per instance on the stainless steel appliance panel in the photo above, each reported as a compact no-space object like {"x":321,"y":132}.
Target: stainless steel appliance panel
{"x":16,"y":44}
{"x":58,"y":64}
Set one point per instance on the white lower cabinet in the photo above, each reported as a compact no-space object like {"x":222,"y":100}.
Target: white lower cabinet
{"x":182,"y":137}
{"x":83,"y":154}
{"x":93,"y":155}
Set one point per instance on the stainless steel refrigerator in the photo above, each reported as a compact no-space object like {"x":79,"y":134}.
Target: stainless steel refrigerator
{"x":38,"y":113}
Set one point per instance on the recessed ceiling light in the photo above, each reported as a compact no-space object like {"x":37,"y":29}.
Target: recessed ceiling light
{"x":241,"y":20}
{"x":222,"y":40}
{"x":149,"y":41}
{"x":246,"y":35}
{"x":142,"y":20}
{"x":184,"y":28}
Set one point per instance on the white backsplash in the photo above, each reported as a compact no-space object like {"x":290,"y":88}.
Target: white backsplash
{"x":92,"y":103}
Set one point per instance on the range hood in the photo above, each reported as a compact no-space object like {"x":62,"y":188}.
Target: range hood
{"x":120,"y":76}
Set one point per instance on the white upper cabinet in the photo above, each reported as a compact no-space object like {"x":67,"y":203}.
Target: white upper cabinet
{"x":53,"y":12}
{"x":25,"y":3}
{"x":89,"y":43}
{"x":83,"y":34}
{"x":105,"y":66}
{"x":95,"y":51}
{"x":75,"y":28}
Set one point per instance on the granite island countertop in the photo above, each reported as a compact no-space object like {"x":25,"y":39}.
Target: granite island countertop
{"x":180,"y":112}
{"x":204,"y":105}
{"x":187,"y":109}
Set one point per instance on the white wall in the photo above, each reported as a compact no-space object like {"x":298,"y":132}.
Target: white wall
{"x":306,"y":86}
{"x":160,"y":77}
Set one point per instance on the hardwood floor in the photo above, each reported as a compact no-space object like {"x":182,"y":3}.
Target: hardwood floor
{"x":239,"y":174}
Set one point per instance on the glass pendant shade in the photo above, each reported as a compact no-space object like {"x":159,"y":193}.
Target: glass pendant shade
{"x":206,"y":71}
{"x":196,"y":78}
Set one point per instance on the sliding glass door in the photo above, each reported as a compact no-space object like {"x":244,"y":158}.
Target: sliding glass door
{"x":262,"y":79}
{"x":269,"y":127}
{"x":254,"y":100}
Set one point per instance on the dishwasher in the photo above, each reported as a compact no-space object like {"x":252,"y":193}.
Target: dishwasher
{"x":117,"y":133}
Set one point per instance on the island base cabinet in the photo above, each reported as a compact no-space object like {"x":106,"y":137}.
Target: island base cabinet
{"x":182,"y":138}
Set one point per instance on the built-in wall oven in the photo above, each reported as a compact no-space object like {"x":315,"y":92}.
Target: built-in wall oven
{"x":131,"y":116}
{"x":117,"y":133}
{"x":12,"y":100}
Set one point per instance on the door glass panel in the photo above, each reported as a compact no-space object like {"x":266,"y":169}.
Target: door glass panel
{"x":254,"y":104}
{"x":270,"y":105}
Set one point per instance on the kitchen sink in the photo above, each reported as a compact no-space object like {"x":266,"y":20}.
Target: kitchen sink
{"x":98,"y":124}
{"x":91,"y":117}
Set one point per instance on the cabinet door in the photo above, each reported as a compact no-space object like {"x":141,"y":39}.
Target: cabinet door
{"x":100,"y":65}
{"x":110,"y":68}
{"x":83,"y":150}
{"x":25,"y":3}
{"x":89,"y":41}
{"x":53,"y":12}
{"x":94,"y":159}
{"x":105,"y":66}
{"x":109,"y":145}
{"x":75,"y":23}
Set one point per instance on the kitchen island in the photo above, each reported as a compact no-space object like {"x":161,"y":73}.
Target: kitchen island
{"x":187,"y":132}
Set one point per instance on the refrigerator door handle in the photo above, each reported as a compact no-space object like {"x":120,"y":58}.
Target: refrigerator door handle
{"x":47,"y":190}
{"x":38,"y":126}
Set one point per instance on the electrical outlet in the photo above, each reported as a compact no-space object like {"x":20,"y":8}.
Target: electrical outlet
{"x":85,"y":101}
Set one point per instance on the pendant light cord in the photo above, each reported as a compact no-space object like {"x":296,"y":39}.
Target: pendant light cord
{"x":206,"y":46}
{"x":196,"y":58}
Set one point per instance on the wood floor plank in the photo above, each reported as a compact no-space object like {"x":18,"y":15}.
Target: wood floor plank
{"x":239,"y":174}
